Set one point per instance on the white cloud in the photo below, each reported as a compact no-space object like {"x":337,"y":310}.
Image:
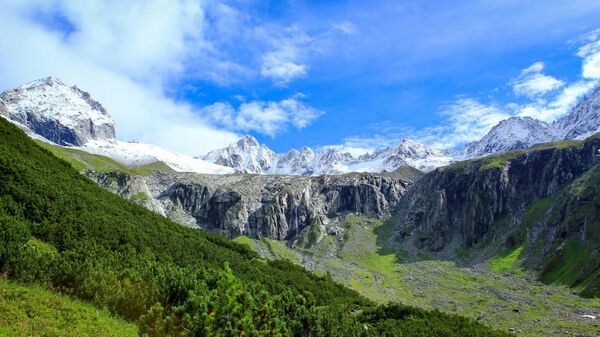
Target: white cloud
{"x":284,"y":61}
{"x":590,"y":53}
{"x":533,"y":83}
{"x":467,"y":120}
{"x":282,"y":65}
{"x":269,"y":118}
{"x":346,"y":27}
{"x":120,"y":52}
{"x":559,"y":105}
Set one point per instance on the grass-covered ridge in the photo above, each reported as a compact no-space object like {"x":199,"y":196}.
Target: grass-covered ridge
{"x":84,"y":161}
{"x":62,"y":231}
{"x":500,"y":159}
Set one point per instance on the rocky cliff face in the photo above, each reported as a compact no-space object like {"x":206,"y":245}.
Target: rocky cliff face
{"x":462,"y":203}
{"x":544,"y":200}
{"x":278,"y":207}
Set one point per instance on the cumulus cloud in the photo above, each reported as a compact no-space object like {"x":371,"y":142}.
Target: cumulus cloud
{"x":269,"y":118}
{"x":284,"y":60}
{"x":120,"y":52}
{"x":467,"y":120}
{"x":282,"y":65}
{"x":590,"y":53}
{"x":551,"y":108}
{"x":533,"y":83}
{"x":561,"y":104}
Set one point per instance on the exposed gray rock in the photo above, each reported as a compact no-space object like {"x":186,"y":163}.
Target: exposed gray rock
{"x":463,"y":201}
{"x":278,"y":207}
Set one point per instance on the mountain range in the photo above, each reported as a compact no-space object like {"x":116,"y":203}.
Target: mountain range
{"x":68,"y":116}
{"x":247,"y":155}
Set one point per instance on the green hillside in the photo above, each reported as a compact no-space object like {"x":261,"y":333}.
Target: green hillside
{"x":34,"y":311}
{"x":62,"y":231}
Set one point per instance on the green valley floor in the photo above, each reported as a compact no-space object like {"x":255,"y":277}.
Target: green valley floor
{"x":495,"y":293}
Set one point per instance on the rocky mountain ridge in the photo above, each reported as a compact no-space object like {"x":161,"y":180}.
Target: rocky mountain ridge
{"x":248,"y":155}
{"x":274,"y":206}
{"x":524,"y":132}
{"x":68,"y":116}
{"x":53,"y":112}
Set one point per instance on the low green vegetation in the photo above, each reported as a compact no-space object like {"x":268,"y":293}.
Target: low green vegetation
{"x":501,"y":159}
{"x":140,"y":196}
{"x":507,"y":261}
{"x":565,"y":264}
{"x":34,"y":311}
{"x":500,"y":295}
{"x":61,"y":231}
{"x":81,"y":160}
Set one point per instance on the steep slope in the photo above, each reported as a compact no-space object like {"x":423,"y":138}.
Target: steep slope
{"x":134,"y":154}
{"x":365,"y":260}
{"x":485,"y":202}
{"x":524,"y":132}
{"x":246,"y":155}
{"x":145,"y":268}
{"x":61,"y":114}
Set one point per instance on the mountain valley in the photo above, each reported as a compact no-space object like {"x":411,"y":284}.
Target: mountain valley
{"x":505,"y":232}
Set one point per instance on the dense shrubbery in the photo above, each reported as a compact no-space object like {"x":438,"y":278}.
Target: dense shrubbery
{"x":59,"y":229}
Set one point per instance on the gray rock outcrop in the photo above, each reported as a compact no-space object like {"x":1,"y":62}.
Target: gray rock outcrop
{"x":278,"y":207}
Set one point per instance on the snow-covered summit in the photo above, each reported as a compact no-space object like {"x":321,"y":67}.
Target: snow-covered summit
{"x":244,"y":155}
{"x":64,"y":115}
{"x":52,"y":111}
{"x":523,"y":132}
{"x":56,"y":113}
{"x":583,"y":121}
{"x":407,"y":152}
{"x":135,"y":154}
{"x":509,"y":134}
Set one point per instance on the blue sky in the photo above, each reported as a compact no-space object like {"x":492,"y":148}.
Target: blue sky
{"x":195,"y":75}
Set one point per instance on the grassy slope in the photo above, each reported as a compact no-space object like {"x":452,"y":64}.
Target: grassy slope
{"x":82,"y":161}
{"x":572,"y":263}
{"x":365,"y":262}
{"x":34,"y":311}
{"x":70,"y":211}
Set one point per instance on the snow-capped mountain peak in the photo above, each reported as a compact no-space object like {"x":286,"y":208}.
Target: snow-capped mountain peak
{"x":509,"y":134}
{"x":245,"y":155}
{"x":56,"y":113}
{"x":327,"y":160}
{"x":523,"y":132}
{"x":583,"y":121}
{"x":50,"y":110}
{"x":64,"y":115}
